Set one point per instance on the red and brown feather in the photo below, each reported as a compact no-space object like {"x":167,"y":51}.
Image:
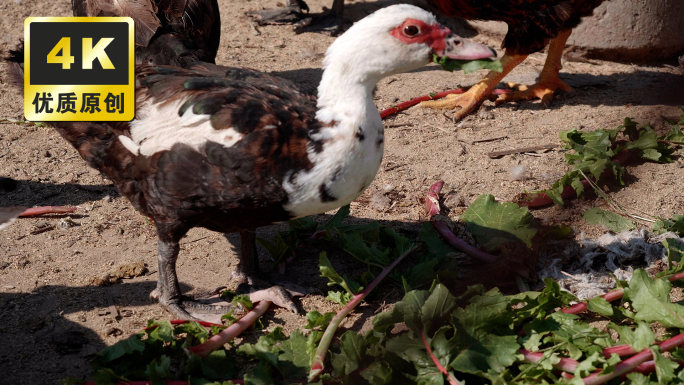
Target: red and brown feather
{"x":167,"y":32}
{"x":531,"y":23}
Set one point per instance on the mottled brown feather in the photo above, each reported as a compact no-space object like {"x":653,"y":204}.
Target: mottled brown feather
{"x":531,"y":23}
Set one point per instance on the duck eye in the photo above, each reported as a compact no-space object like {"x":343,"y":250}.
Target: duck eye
{"x":411,"y":30}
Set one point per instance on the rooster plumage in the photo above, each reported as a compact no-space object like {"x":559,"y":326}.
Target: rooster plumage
{"x":532,"y":24}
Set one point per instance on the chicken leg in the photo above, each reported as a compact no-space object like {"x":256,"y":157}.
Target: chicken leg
{"x":544,"y":89}
{"x":478,"y":93}
{"x":291,"y":13}
{"x":548,"y":81}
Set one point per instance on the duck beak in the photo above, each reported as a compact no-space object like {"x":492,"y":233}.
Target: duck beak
{"x":446,"y":43}
{"x":459,"y":48}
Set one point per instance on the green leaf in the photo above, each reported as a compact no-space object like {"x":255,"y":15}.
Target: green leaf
{"x":588,"y":365}
{"x":194,"y":329}
{"x":651,"y":300}
{"x":216,"y":366}
{"x":636,"y":378}
{"x":639,"y":339}
{"x":378,"y":373}
{"x":107,"y":376}
{"x":163,"y":331}
{"x":434,"y":242}
{"x":467,"y":66}
{"x":229,"y":318}
{"x":665,"y":367}
{"x":343,"y":298}
{"x":601,"y":306}
{"x":315,"y":319}
{"x":336,"y":219}
{"x":407,"y":310}
{"x":676,"y":225}
{"x":493,"y":223}
{"x":436,"y":310}
{"x":675,"y":251}
{"x":243,"y":300}
{"x":613,"y":221}
{"x":354,"y":244}
{"x":327,"y":271}
{"x":159,"y":371}
{"x":129,"y":345}
{"x":490,"y":354}
{"x":352,"y":347}
{"x":294,"y":359}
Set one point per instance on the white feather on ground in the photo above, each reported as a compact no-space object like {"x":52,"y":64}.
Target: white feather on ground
{"x":585,"y":270}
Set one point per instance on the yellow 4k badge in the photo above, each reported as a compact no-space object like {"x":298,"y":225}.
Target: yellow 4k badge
{"x":79,"y":68}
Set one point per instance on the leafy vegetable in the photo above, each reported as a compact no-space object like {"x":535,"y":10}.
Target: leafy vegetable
{"x":596,"y":154}
{"x":493,"y":223}
{"x":467,"y":66}
{"x":613,"y":221}
{"x":676,"y":225}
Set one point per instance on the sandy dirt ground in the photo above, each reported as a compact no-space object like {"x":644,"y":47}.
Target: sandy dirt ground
{"x":53,"y":319}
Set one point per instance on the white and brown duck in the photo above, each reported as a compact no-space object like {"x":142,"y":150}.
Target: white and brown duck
{"x":232,"y":149}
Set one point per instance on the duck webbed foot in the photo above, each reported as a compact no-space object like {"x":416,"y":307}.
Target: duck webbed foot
{"x":202,"y":306}
{"x":251,"y":282}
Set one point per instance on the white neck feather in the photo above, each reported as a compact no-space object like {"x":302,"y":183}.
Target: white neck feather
{"x":353,"y":132}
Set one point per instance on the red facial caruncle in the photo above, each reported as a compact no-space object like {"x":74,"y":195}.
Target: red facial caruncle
{"x":417,"y":31}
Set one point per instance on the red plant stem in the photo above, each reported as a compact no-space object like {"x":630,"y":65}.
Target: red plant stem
{"x":582,"y":306}
{"x":610,"y":297}
{"x":439,"y":95}
{"x":322,"y":350}
{"x":231,"y":331}
{"x":432,"y":207}
{"x":623,"y":367}
{"x":620,"y":350}
{"x":47,"y":210}
{"x":439,"y":366}
{"x":148,"y":382}
{"x":566,"y":364}
{"x":185,"y":382}
{"x":634,"y":362}
{"x":569,"y":192}
{"x":414,"y":101}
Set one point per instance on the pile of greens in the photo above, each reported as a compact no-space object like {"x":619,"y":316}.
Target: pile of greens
{"x":596,"y":153}
{"x":431,"y":336}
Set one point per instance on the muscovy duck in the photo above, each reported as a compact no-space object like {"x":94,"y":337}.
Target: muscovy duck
{"x":167,"y":32}
{"x":532,"y":24}
{"x":233,"y":149}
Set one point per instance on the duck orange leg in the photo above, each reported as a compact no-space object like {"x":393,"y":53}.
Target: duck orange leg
{"x":478,"y":93}
{"x":548,"y":81}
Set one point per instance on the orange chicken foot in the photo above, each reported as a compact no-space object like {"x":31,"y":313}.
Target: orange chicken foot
{"x":478,"y":93}
{"x":548,"y":81}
